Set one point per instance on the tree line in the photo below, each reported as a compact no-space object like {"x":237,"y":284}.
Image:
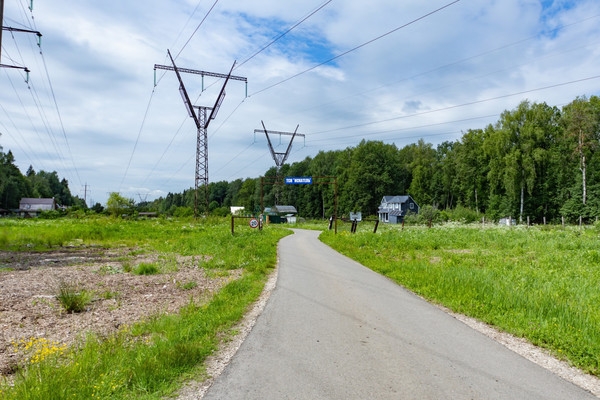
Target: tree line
{"x":536,"y":161}
{"x":14,"y":185}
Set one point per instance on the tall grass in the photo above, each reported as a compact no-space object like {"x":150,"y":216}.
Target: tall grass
{"x":149,"y":359}
{"x":538,"y":283}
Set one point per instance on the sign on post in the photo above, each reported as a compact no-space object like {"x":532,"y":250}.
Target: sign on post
{"x":298,"y":180}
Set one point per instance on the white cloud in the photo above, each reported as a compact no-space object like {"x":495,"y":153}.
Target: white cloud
{"x":453,"y":70}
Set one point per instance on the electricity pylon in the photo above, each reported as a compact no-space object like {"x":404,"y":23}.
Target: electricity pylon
{"x":202,"y":121}
{"x":279,"y":157}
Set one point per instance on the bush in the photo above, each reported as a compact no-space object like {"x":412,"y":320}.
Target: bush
{"x":72,"y":298}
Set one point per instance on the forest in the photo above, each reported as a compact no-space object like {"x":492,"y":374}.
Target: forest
{"x":14,"y":185}
{"x":537,"y":161}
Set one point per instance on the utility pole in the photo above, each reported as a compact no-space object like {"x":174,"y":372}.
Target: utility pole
{"x":202,"y":121}
{"x":84,"y":191}
{"x":8,"y":28}
{"x":1,"y":26}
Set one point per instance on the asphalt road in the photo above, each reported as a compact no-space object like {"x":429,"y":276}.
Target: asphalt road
{"x":333,"y":329}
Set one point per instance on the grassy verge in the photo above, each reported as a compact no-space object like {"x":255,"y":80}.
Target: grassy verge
{"x":538,"y":283}
{"x":149,"y":359}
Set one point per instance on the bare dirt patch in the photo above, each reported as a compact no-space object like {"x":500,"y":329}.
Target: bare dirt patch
{"x":29,"y":283}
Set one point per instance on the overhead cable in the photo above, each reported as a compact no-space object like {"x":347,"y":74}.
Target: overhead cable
{"x":355,"y":48}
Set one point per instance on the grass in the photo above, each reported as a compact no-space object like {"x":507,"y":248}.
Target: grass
{"x":538,"y":283}
{"x":149,"y":359}
{"x":146,"y":269}
{"x":72,"y":298}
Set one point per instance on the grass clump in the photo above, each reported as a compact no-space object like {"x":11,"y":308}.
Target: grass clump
{"x":146,"y":269}
{"x":187,"y":285}
{"x":72,"y":298}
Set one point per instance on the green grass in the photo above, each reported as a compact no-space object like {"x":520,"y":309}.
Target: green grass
{"x":72,"y":298}
{"x":539,"y":283}
{"x":149,"y":359}
{"x":146,"y":269}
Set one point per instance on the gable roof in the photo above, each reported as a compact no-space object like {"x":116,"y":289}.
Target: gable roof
{"x":32,"y":200}
{"x":284,"y":209}
{"x":396,"y":199}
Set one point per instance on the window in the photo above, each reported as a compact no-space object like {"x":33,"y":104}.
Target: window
{"x":412,"y":206}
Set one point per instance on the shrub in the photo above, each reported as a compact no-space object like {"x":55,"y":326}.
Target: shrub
{"x":72,"y":298}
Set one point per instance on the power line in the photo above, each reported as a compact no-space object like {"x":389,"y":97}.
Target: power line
{"x":285,"y":33}
{"x":198,"y":27}
{"x":355,"y":48}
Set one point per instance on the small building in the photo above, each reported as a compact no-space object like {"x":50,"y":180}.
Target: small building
{"x":280,"y":214}
{"x":31,"y":207}
{"x":393,"y":209}
{"x":236,"y":210}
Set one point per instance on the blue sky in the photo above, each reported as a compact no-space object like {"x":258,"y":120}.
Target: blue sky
{"x":91,"y":111}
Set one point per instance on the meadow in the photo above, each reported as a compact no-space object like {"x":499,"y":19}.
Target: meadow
{"x":151,"y":358}
{"x":540,"y":283}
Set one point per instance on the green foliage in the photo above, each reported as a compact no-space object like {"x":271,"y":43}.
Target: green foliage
{"x":117,"y":205}
{"x":538,"y":283}
{"x":146,"y":269}
{"x":151,"y":358}
{"x":72,"y":298}
{"x":536,"y":161}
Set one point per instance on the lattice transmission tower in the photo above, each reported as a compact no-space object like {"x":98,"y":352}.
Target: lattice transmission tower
{"x":202,"y":120}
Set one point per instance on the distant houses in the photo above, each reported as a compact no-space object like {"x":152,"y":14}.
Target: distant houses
{"x":32,"y":207}
{"x":393,"y":209}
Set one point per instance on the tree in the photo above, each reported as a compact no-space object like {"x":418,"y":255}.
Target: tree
{"x":581,"y":119}
{"x":472,"y":165}
{"x":373,"y":173}
{"x":118,"y":205}
{"x":422,"y":168}
{"x":13,"y":185}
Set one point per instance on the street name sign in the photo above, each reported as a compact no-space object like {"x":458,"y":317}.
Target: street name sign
{"x":298,"y":180}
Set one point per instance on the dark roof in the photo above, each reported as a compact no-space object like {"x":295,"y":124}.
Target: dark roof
{"x":284,"y":209}
{"x":396,"y":199}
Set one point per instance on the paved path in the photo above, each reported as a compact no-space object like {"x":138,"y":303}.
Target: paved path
{"x":333,"y":329}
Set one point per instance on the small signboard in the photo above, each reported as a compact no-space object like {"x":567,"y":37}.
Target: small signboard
{"x":356,"y":216}
{"x":298,"y":180}
{"x":253,"y":223}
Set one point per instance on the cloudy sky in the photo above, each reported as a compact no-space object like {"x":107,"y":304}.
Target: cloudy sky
{"x":388,"y":70}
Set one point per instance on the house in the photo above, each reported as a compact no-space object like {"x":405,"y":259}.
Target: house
{"x":393,"y":209}
{"x":280,"y":214}
{"x":30,"y":207}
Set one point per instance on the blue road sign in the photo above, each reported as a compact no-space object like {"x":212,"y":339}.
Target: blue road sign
{"x":298,"y":180}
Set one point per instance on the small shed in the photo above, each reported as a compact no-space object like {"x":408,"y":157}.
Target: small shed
{"x":279,"y":214}
{"x":393,"y":209}
{"x":31,"y":207}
